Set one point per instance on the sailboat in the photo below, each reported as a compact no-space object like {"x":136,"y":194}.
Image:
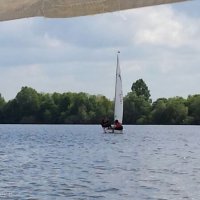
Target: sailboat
{"x":118,"y":109}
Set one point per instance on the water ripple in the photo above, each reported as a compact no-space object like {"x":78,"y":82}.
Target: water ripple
{"x":80,"y":163}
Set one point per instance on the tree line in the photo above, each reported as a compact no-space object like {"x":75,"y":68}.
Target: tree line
{"x":32,"y":107}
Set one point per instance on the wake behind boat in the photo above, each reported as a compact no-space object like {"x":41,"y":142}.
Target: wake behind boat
{"x":118,"y":111}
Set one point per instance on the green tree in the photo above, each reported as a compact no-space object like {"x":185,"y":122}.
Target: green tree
{"x":158,"y":111}
{"x":47,"y":112}
{"x":137,"y":104}
{"x":27,"y":103}
{"x":193,"y":103}
{"x":139,"y":88}
{"x":11,"y":112}
{"x":2,"y":104}
{"x":2,"y":101}
{"x":136,"y":109}
{"x":176,"y":111}
{"x":29,"y":106}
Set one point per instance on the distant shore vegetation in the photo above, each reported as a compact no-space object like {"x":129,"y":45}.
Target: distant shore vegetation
{"x":32,"y":107}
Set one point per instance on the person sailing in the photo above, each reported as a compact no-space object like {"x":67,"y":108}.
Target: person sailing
{"x":117,"y":125}
{"x":105,"y":123}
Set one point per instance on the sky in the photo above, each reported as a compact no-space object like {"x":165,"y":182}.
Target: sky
{"x":159,"y":44}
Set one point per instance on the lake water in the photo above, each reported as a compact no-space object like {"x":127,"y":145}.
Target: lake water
{"x":79,"y":162}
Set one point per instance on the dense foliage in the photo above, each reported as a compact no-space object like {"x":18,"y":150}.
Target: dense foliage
{"x":29,"y":106}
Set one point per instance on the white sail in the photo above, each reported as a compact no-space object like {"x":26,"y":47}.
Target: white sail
{"x":118,"y":112}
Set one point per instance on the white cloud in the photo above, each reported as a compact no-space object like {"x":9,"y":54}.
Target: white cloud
{"x":52,"y":42}
{"x":164,"y":26}
{"x":13,"y":78}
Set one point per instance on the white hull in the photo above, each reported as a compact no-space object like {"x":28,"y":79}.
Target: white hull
{"x":111,"y":131}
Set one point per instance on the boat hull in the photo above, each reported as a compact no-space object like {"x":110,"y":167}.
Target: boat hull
{"x":111,"y":131}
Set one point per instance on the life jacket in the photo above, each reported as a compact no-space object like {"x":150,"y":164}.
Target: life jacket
{"x":118,"y":126}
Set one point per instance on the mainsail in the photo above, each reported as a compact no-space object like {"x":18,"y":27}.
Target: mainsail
{"x":118,"y":112}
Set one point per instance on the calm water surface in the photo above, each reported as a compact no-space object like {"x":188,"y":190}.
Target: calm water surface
{"x":80,"y":163}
